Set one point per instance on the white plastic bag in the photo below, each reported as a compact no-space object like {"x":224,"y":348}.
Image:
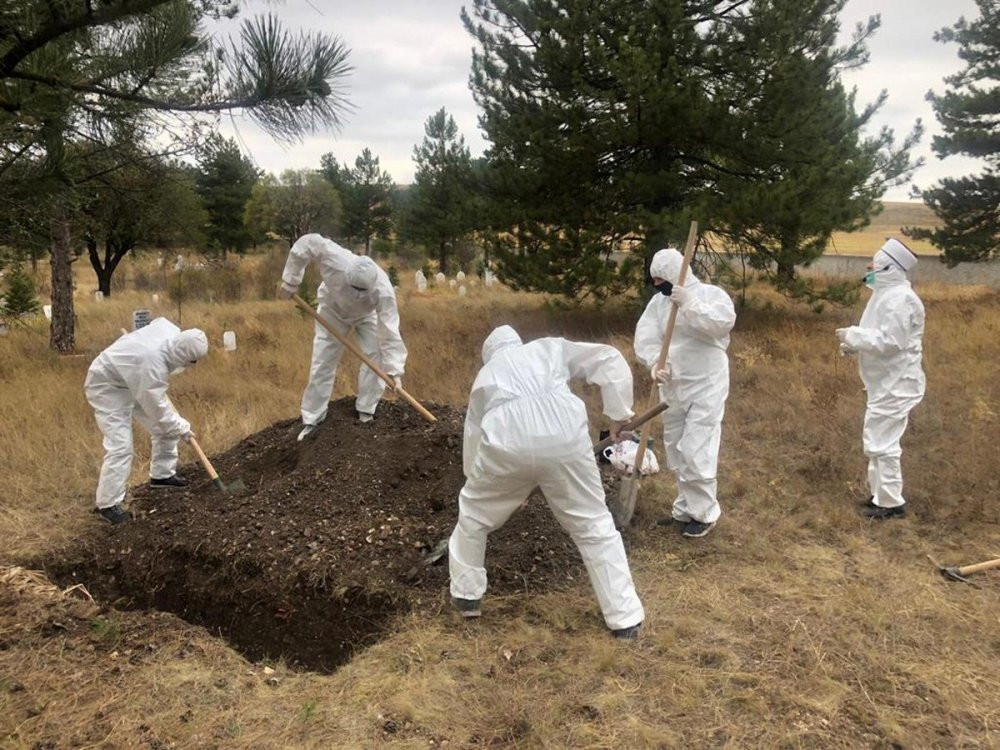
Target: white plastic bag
{"x":622,"y":457}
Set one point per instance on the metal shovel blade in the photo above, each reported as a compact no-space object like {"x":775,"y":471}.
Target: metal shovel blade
{"x":230,"y":488}
{"x":623,"y":506}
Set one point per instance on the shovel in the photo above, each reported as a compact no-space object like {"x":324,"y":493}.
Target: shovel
{"x":628,"y":492}
{"x":953,"y":573}
{"x":235,"y":486}
{"x":306,"y":307}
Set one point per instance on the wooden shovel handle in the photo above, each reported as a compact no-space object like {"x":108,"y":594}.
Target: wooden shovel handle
{"x":632,"y":424}
{"x":346,"y":341}
{"x":989,"y":564}
{"x":212,"y":473}
{"x":654,"y":392}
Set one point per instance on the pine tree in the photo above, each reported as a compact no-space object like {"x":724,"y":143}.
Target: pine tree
{"x":367,"y":194}
{"x":225,"y":180}
{"x":439,"y":211}
{"x":613,"y":124}
{"x":20,"y":298}
{"x":969,"y":113}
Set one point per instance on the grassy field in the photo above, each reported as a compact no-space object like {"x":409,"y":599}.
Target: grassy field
{"x":889,"y":223}
{"x":794,"y":624}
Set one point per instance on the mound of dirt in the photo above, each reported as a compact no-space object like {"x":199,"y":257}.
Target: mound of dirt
{"x":331,"y":539}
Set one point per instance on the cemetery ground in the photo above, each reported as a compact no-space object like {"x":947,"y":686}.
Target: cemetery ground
{"x":301,"y":614}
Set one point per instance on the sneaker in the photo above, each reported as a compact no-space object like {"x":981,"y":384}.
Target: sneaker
{"x":173,"y":481}
{"x":627,"y":634}
{"x":878,"y":513}
{"x":696,"y":529}
{"x":114,"y":515}
{"x":307,"y":430}
{"x":364,"y":417}
{"x":468,"y":607}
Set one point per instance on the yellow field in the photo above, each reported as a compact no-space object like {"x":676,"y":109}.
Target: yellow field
{"x":794,"y":624}
{"x":889,"y":223}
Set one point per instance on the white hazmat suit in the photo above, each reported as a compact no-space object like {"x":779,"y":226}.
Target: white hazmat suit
{"x":356,"y":295}
{"x":129,"y":379}
{"x":525,"y":428}
{"x":889,"y":345}
{"x":697,"y":386}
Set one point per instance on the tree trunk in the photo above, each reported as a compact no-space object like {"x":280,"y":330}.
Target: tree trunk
{"x":62,"y":334}
{"x":443,"y":258}
{"x":112,"y":257}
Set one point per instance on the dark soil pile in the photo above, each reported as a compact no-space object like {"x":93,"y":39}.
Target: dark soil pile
{"x":331,"y":539}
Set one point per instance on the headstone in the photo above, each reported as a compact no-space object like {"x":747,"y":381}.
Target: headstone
{"x":47,"y":309}
{"x":159,"y":261}
{"x":462,"y":290}
{"x":460,"y":276}
{"x":156,"y":298}
{"x":229,"y":341}
{"x":179,"y":264}
{"x":452,"y":283}
{"x":99,"y":295}
{"x":488,"y":278}
{"x":140,"y":318}
{"x":439,"y":277}
{"x":421,"y":281}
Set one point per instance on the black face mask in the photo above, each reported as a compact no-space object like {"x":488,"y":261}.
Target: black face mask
{"x":664,"y":288}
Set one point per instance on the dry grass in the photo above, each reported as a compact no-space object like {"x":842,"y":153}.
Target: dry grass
{"x":795,"y":624}
{"x":889,"y":223}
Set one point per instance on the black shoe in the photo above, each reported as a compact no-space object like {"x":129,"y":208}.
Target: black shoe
{"x":878,"y":513}
{"x":468,"y":607}
{"x":175,"y":481}
{"x":869,"y":503}
{"x":114,"y":515}
{"x":696,"y":529}
{"x":627,"y":634}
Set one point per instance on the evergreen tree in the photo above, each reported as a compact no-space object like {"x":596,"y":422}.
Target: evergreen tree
{"x":366,"y":194}
{"x":20,"y":298}
{"x":83,"y":72}
{"x":224,"y":181}
{"x":969,"y":113}
{"x":439,"y":211}
{"x":612,"y":124}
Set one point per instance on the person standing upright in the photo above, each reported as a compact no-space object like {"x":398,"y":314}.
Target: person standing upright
{"x":695,"y":383}
{"x":889,"y":344}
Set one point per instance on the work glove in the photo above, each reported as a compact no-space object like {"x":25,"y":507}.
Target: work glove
{"x":285,"y":292}
{"x":842,"y":335}
{"x":680,"y":295}
{"x":660,"y":374}
{"x":397,"y":383}
{"x":617,"y":434}
{"x":846,"y":350}
{"x":188,"y":436}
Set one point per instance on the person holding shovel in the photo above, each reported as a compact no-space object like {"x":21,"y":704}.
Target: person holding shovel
{"x":356,"y":295}
{"x":524,"y":428}
{"x":889,"y":345}
{"x":129,"y":379}
{"x":695,"y":383}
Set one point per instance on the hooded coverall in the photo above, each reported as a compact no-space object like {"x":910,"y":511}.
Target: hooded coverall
{"x":525,"y":428}
{"x":889,"y":345}
{"x":698,"y":384}
{"x":129,"y":379}
{"x":371,"y":313}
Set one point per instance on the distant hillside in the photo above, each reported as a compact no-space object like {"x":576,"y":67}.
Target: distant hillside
{"x":889,"y":223}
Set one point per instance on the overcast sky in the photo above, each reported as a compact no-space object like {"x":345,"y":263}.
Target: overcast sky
{"x":412,"y":57}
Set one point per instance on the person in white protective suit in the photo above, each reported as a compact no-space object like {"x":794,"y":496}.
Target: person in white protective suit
{"x":129,"y":379}
{"x":356,"y":295}
{"x":695,"y":383}
{"x":889,"y":344}
{"x":524,"y":428}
